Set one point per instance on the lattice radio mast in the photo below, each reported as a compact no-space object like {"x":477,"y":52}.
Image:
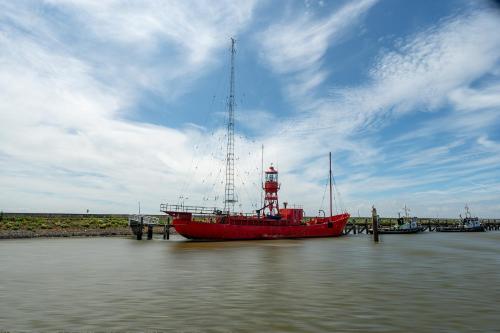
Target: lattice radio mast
{"x":229,"y":197}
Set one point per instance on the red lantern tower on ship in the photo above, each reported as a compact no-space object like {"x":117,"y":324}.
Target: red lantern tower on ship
{"x":271,"y":188}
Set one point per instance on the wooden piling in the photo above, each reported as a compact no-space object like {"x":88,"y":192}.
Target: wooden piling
{"x":139,"y":229}
{"x":166,"y":230}
{"x":375,"y":224}
{"x":150,"y":231}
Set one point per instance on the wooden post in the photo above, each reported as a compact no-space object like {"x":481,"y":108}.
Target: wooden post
{"x":139,"y":229}
{"x":150,"y":231}
{"x":168,"y":228}
{"x":366,"y":226}
{"x":354,"y":226}
{"x":165,"y":231}
{"x":375,"y":224}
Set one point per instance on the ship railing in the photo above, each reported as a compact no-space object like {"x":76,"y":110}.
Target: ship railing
{"x":196,"y":210}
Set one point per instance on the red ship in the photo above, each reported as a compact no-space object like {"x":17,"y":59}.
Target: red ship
{"x":269,"y":222}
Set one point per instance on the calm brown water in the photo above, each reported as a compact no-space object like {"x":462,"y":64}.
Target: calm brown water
{"x":429,"y":282}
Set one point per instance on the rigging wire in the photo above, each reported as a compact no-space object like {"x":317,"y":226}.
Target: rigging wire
{"x":200,"y":154}
{"x":251,"y":198}
{"x":336,"y":197}
{"x":324,"y":194}
{"x":340,"y":201}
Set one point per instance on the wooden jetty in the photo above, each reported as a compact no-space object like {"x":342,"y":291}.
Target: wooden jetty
{"x":388,"y":231}
{"x":363,"y":225}
{"x":138,"y":223}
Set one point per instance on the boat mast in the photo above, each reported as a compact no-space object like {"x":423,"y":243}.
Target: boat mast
{"x":467,"y":211}
{"x":407,"y":216}
{"x":229,"y":198}
{"x":331,"y":203}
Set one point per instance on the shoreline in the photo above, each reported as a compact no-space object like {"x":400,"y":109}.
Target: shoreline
{"x":50,"y":225}
{"x":54,"y":233}
{"x":74,"y":233}
{"x":42,"y":225}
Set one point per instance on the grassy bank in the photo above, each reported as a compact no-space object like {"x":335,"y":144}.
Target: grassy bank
{"x":61,"y":225}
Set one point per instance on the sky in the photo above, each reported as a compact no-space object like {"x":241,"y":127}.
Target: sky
{"x":105,"y":104}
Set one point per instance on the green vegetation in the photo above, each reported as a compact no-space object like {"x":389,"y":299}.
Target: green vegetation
{"x":58,"y":222}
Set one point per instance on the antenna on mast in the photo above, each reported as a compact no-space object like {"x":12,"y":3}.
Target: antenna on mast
{"x":229,"y":198}
{"x":331,"y":204}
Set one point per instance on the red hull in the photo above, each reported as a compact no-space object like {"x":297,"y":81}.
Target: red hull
{"x":320,"y":227}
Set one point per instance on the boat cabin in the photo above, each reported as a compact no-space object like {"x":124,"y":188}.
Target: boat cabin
{"x":471,"y":222}
{"x":292,"y":215}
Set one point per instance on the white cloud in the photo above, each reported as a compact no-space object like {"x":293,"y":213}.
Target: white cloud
{"x":159,"y":46}
{"x":427,"y":68}
{"x":298,"y":44}
{"x":428,"y":71}
{"x":63,"y":138}
{"x":423,"y":74}
{"x":487,"y":97}
{"x":65,"y":146}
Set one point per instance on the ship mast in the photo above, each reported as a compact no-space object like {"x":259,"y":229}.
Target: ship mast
{"x":331,"y":203}
{"x":229,"y":197}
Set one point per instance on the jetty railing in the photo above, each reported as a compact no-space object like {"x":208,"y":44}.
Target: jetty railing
{"x":144,"y":219}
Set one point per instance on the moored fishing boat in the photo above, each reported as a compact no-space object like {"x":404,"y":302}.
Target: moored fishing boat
{"x":405,"y":225}
{"x":467,"y":224}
